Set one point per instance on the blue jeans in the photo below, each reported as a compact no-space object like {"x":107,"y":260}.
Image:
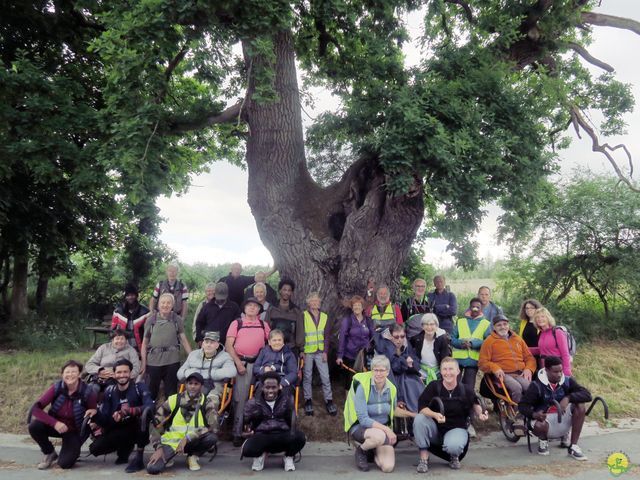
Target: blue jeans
{"x":425,"y":431}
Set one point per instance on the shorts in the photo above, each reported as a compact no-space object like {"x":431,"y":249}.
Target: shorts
{"x":557,"y":430}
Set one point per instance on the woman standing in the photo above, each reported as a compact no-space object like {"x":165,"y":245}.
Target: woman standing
{"x":160,"y":352}
{"x":528,"y":329}
{"x":356,"y":332}
{"x":552,"y":341}
{"x":431,"y":345}
{"x":71,"y":400}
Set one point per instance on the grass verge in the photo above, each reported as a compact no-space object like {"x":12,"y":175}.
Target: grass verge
{"x":608,"y":369}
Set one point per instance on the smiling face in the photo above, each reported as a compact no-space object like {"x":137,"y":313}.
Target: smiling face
{"x":165,"y":304}
{"x":119,"y":342}
{"x":541,"y":320}
{"x":502,"y":328}
{"x":285,"y":292}
{"x":193,"y":387}
{"x":210,"y":292}
{"x":260,"y":293}
{"x":419,"y":288}
{"x":276,"y":342}
{"x":172,"y":273}
{"x":251,"y":309}
{"x":122,"y":375}
{"x":71,"y":376}
{"x":429,"y":328}
{"x":357,"y":308}
{"x":529,"y":310}
{"x":380,"y":375}
{"x":270,"y":389}
{"x":382,"y":295}
{"x":449,"y":371}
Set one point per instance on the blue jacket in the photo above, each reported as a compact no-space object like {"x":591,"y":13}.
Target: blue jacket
{"x":539,"y":395}
{"x":138,"y":398}
{"x":456,"y":341}
{"x":445,"y":306}
{"x":284,"y":361}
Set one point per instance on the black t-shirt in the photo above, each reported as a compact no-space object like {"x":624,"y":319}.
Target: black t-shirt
{"x":457,"y":404}
{"x":530,"y":335}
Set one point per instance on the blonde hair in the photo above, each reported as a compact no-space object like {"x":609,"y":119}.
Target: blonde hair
{"x":167,"y":295}
{"x":546,"y":313}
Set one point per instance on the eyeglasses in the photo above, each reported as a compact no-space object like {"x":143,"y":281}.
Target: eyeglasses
{"x":398,"y":337}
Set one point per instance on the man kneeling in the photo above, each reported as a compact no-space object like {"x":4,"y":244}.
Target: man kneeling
{"x":267,"y":419}
{"x":551,"y":384}
{"x":183,"y":424}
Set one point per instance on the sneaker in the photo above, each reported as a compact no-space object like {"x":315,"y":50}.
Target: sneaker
{"x":423,"y":466}
{"x":576,"y":452}
{"x":47,"y":461}
{"x":308,"y":407}
{"x":454,"y":462}
{"x":361,"y":460}
{"x":170,"y":463}
{"x":471,"y":431}
{"x":192,"y":463}
{"x":543,"y":447}
{"x":331,"y":408}
{"x":258,"y":463}
{"x":136,"y":464}
{"x":565,"y":442}
{"x":288,"y":464}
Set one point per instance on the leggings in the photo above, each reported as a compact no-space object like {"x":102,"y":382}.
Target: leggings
{"x":120,"y":439}
{"x":71,"y":442}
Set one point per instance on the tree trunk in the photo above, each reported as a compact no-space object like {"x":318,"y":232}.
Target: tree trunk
{"x":330,"y":239}
{"x":41,"y":291}
{"x":19,"y":305}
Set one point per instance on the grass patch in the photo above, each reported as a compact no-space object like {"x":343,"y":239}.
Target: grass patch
{"x":601,"y":366}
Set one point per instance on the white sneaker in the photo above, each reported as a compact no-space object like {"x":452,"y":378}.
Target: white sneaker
{"x":192,"y":462}
{"x":576,"y":452}
{"x":288,"y":464}
{"x":258,"y":463}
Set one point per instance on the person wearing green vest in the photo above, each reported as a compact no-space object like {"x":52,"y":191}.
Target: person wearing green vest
{"x":317,"y":335}
{"x":184,"y":424}
{"x":384,"y":313}
{"x":369,"y":409}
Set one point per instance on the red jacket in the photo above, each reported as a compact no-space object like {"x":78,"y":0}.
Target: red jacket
{"x":121,"y":316}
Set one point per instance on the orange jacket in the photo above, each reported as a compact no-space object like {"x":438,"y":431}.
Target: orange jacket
{"x":510,"y":355}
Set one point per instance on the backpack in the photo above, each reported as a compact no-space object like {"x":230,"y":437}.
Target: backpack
{"x":152,"y":323}
{"x":571,"y":340}
{"x":264,"y":330}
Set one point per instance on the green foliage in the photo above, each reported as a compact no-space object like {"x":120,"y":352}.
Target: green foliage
{"x":414,"y":267}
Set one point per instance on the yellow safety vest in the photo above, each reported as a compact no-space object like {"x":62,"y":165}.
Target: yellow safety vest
{"x":385,"y":318}
{"x":364,"y":379}
{"x":314,"y":336}
{"x":464,"y":332}
{"x":179,"y":427}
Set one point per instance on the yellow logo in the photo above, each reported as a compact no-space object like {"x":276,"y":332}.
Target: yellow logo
{"x":617,"y":463}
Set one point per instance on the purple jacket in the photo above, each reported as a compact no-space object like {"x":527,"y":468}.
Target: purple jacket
{"x":354,"y":336}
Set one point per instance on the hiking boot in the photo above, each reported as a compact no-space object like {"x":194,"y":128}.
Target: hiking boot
{"x":258,"y":463}
{"x":565,"y":442}
{"x":192,"y":463}
{"x":288,"y":464}
{"x":576,"y":452}
{"x":136,"y":464}
{"x":361,"y":460}
{"x":423,"y":466}
{"x":308,"y":407}
{"x":543,"y":447}
{"x":47,"y":460}
{"x":454,"y":462}
{"x":471,"y":431}
{"x":331,"y":408}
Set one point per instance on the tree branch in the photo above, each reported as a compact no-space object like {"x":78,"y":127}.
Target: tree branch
{"x":580,"y":50}
{"x":226,"y":116}
{"x":603,"y":20}
{"x":467,"y":9}
{"x":579,"y":122}
{"x":175,"y":61}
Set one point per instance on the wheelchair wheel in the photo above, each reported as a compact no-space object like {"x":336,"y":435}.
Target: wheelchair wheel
{"x":506,"y":424}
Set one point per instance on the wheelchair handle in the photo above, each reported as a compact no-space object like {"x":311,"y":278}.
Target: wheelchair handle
{"x":604,"y":406}
{"x":83,"y":428}
{"x":439,"y":405}
{"x":559,"y":410}
{"x":145,"y":418}
{"x":30,"y":414}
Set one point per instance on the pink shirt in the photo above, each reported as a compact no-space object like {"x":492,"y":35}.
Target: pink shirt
{"x":251,"y":338}
{"x":547,"y":346}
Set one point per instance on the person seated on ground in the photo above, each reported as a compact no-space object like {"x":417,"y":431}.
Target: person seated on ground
{"x":418,"y":303}
{"x":384,"y":313}
{"x":119,"y":418}
{"x":489,"y":309}
{"x":551,"y":384}
{"x":176,"y":288}
{"x":245,"y":337}
{"x":214,"y":364}
{"x":183,"y":424}
{"x":528,"y":329}
{"x":369,"y":409}
{"x":287,"y":317}
{"x":71,"y":401}
{"x":431,"y":345}
{"x":261,"y":277}
{"x":209,"y":295}
{"x":237,"y":283}
{"x":505,"y":355}
{"x":447,"y":429}
{"x":130,"y":316}
{"x":100,"y":367}
{"x":317,"y":336}
{"x":267,"y":418}
{"x":405,"y":366}
{"x":356,"y":333}
{"x":277,"y":357}
{"x":217,"y":314}
{"x":552,"y":341}
{"x":443,"y":303}
{"x":260,"y":294}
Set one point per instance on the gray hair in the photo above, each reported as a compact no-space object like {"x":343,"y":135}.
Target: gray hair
{"x":210,"y":286}
{"x":167,"y":295}
{"x":259,"y":285}
{"x":173,"y":265}
{"x":380,"y":361}
{"x":428,"y":318}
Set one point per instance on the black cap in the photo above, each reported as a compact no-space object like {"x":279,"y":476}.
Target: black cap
{"x":197,"y":376}
{"x":130,"y":288}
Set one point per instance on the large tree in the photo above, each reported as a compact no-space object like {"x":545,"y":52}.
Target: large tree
{"x":475,"y":121}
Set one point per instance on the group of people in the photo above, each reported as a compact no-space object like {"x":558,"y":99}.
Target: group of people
{"x":412,"y":361}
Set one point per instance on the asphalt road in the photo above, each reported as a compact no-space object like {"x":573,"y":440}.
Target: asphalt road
{"x":490,"y":456}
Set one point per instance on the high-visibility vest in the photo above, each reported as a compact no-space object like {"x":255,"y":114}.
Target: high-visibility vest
{"x":464,"y":332}
{"x":364,"y":379}
{"x":314,"y":336}
{"x":385,"y":318}
{"x":179,"y":427}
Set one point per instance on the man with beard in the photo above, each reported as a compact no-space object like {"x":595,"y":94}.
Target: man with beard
{"x":130,"y":316}
{"x":384,"y":313}
{"x":287,"y":317}
{"x":183,"y":425}
{"x":120,"y":418}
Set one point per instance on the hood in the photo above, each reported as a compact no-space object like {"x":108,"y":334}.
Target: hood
{"x":542,"y":376}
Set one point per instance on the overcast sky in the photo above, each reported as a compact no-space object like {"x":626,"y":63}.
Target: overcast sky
{"x":212,"y":222}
